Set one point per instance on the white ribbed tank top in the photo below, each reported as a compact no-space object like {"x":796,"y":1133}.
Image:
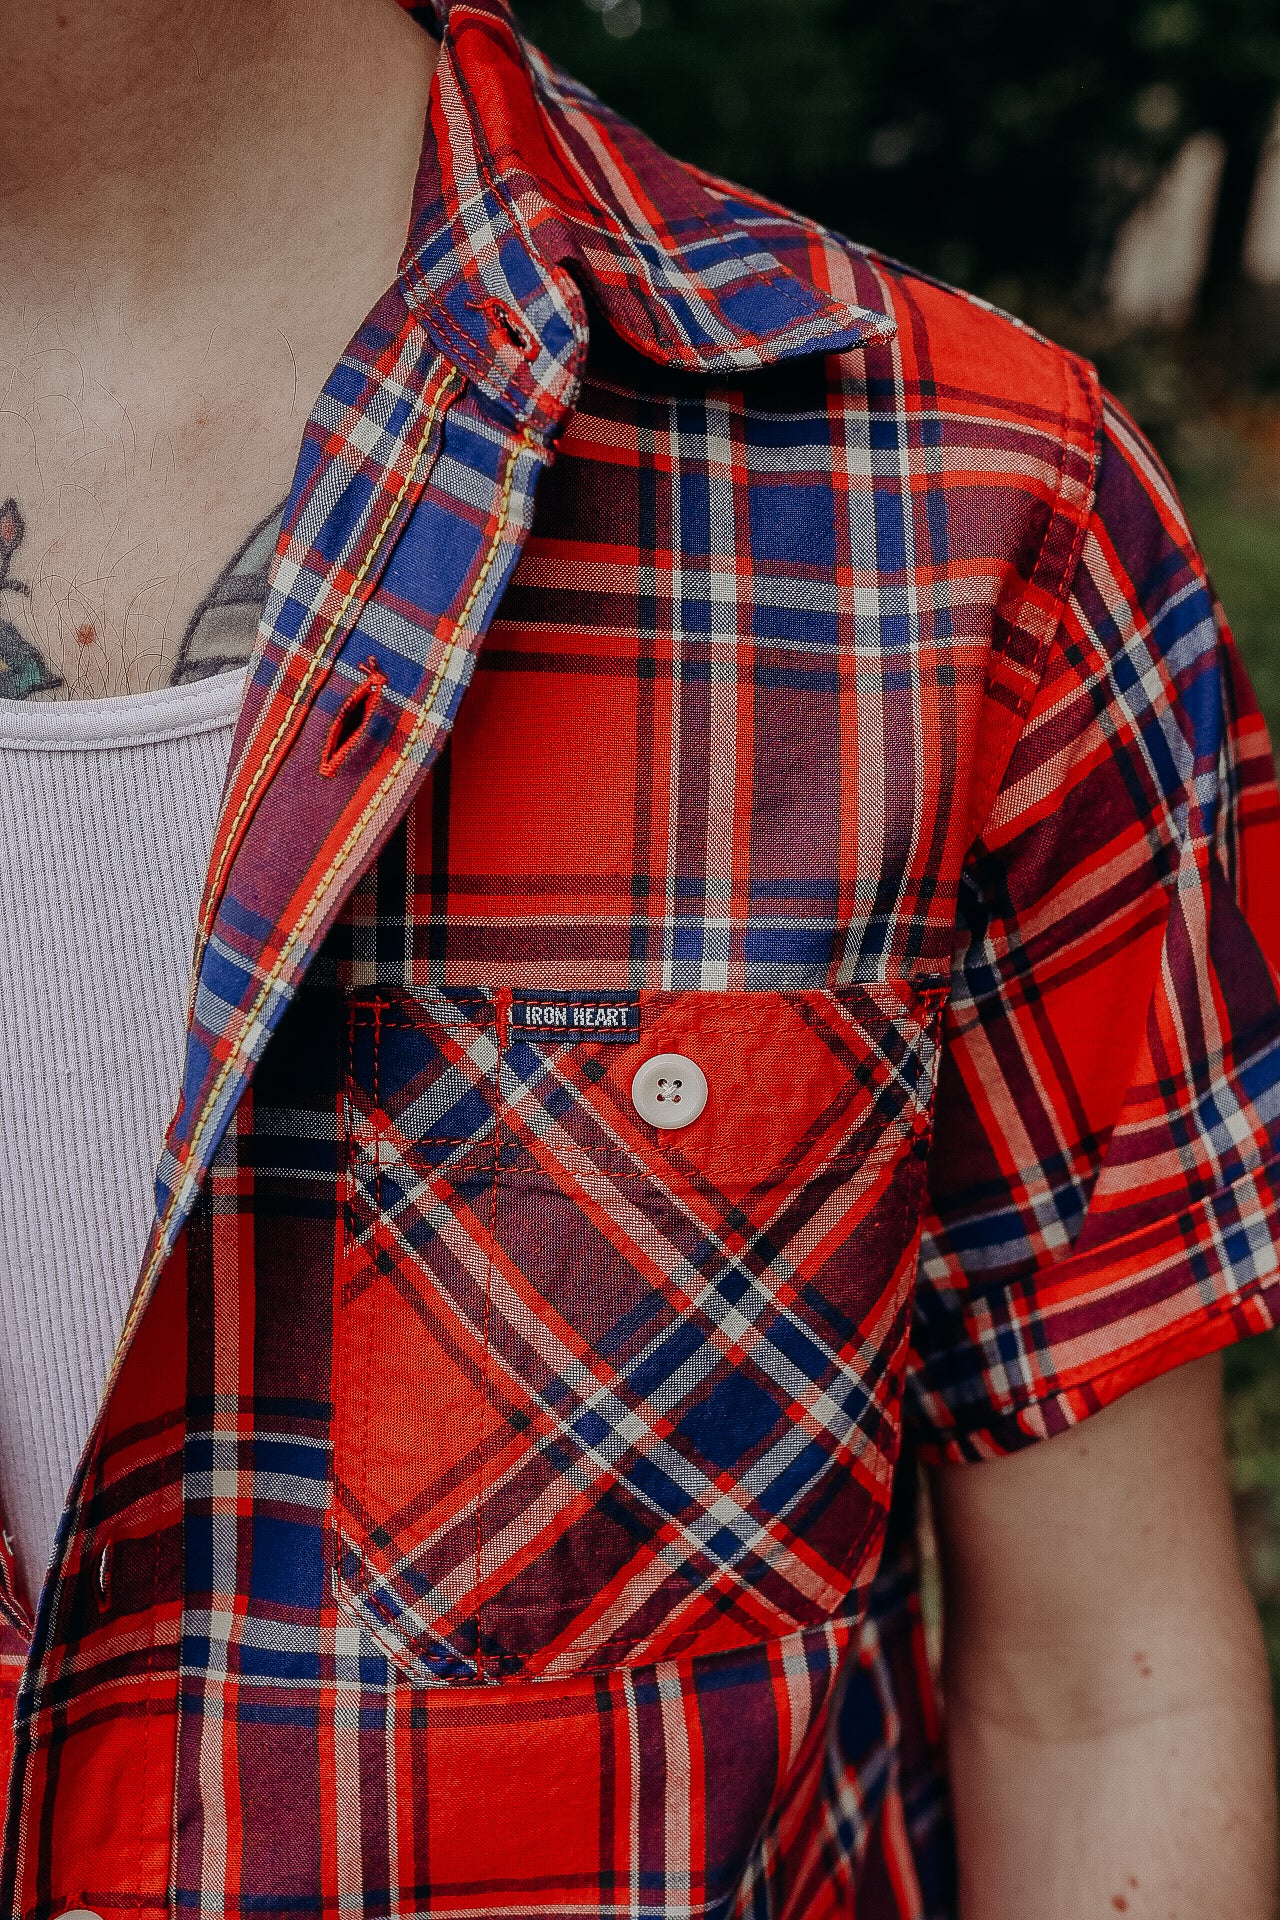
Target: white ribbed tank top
{"x":107,"y":812}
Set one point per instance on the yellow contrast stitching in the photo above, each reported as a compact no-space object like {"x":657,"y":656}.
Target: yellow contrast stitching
{"x":424,"y":717}
{"x":317,"y":659}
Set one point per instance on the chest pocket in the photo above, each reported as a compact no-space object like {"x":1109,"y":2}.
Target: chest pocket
{"x":607,"y":1391}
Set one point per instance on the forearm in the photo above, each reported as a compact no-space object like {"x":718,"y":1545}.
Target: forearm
{"x":1104,"y":1676}
{"x":1167,"y":1814}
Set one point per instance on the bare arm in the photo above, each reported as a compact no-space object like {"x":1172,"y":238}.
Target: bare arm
{"x":1108,"y":1712}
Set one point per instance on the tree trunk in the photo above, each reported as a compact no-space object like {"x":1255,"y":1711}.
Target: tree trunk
{"x":1223,"y":268}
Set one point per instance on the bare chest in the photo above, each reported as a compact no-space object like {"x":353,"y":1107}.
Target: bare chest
{"x":136,"y":526}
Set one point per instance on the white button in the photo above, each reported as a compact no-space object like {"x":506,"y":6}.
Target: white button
{"x":669,"y":1091}
{"x":80,"y":1913}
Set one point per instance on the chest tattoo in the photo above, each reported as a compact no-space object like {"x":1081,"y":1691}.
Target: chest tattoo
{"x":220,"y":635}
{"x":223,"y":630}
{"x":23,"y":671}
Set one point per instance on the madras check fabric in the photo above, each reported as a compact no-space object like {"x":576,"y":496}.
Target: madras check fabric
{"x":710,"y":638}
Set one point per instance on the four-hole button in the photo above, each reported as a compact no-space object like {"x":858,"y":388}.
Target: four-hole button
{"x":669,"y":1091}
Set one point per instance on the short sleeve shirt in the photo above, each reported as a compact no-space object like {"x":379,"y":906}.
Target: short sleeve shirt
{"x":689,"y":635}
{"x":1102,"y":1169}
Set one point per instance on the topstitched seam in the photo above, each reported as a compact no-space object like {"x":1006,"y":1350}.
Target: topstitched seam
{"x":362,"y":1370}
{"x":452,"y":1028}
{"x":148,"y":1718}
{"x":373,"y":1011}
{"x":1069,"y":444}
{"x":408,"y":1147}
{"x":525,"y":443}
{"x":448,"y":391}
{"x":484,"y":1374}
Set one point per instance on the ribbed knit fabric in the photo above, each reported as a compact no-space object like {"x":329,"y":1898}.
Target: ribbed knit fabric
{"x":107,"y":811}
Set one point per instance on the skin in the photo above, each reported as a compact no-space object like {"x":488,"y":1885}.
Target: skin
{"x":178,"y":179}
{"x":1108,"y":1706}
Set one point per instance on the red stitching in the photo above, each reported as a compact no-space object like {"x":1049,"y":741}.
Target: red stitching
{"x":503,"y":318}
{"x":488,"y":1338}
{"x":349,"y":722}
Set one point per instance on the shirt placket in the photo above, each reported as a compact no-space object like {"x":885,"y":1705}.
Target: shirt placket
{"x":411,"y":504}
{"x":395,"y":549}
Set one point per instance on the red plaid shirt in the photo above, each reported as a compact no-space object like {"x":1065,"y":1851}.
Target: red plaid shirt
{"x":500,"y":1505}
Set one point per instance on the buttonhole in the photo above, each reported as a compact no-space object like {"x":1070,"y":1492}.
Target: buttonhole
{"x":352,"y":717}
{"x":504,"y":319}
{"x":104,"y":1576}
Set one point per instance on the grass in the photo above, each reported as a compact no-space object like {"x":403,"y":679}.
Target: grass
{"x":1239,"y":534}
{"x":1223,"y":447}
{"x":1253,"y":1437}
{"x":1229,"y":472}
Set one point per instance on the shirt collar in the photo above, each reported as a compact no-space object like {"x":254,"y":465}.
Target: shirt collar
{"x":415,"y":493}
{"x":534,"y":205}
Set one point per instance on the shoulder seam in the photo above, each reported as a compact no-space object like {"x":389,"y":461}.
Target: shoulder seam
{"x":905,"y":270}
{"x":1013,"y":682}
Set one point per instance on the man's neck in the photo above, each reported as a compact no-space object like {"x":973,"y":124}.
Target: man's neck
{"x":141,"y":138}
{"x":200,"y":200}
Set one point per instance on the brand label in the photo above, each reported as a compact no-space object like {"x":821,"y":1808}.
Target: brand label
{"x":572,"y":1016}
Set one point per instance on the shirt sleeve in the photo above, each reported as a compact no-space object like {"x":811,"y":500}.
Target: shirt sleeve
{"x":1104,"y":1178}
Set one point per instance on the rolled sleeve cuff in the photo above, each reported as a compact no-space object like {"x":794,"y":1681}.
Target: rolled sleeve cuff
{"x":1040,"y":1356}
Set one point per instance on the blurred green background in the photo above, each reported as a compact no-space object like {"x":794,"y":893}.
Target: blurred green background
{"x":1109,"y":171}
